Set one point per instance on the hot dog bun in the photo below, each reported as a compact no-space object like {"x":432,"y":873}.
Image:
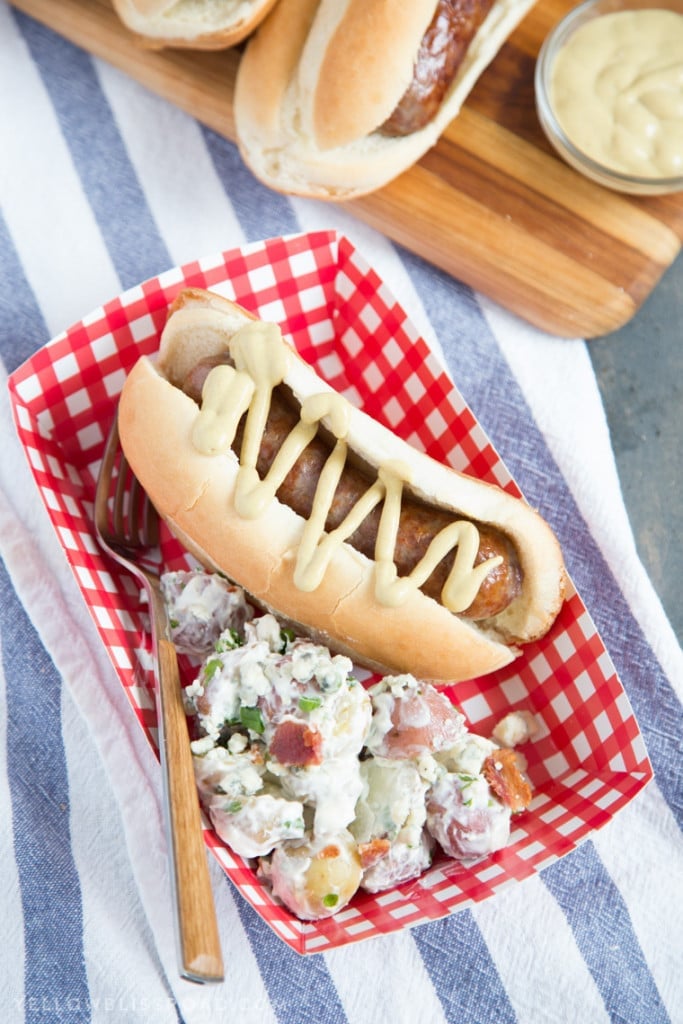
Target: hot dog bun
{"x":195,"y":494}
{"x":194,"y":24}
{"x":320,"y":77}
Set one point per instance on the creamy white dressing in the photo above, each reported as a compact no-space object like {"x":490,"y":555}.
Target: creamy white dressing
{"x":222,"y":773}
{"x":312,"y":824}
{"x":331,"y":790}
{"x":465,"y":818}
{"x":259,"y":824}
{"x":617,"y":91}
{"x":403,"y":862}
{"x":200,"y":607}
{"x":467,"y":755}
{"x":392,"y":803}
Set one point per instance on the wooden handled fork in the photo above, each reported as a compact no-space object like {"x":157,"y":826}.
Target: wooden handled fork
{"x":127,"y":528}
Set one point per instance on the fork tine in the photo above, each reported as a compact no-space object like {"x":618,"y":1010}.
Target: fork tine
{"x":124,"y":514}
{"x":136,"y":497}
{"x":142,"y":518}
{"x":102,"y":493}
{"x":150,"y":522}
{"x":121,"y":522}
{"x":129,"y":506}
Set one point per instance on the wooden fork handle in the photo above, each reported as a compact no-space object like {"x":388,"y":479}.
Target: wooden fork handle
{"x":199,"y":943}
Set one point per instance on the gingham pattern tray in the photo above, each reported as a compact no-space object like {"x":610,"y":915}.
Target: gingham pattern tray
{"x":588,"y":759}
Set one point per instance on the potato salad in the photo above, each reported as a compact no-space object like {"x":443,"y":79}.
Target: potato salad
{"x":330,"y":786}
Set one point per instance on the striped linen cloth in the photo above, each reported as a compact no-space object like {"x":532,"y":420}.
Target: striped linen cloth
{"x":103,"y":185}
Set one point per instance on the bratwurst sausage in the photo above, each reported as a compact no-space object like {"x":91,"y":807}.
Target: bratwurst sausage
{"x":418,"y":524}
{"x":442,"y":50}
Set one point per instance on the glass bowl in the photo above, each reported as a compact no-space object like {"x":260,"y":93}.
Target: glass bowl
{"x":571,"y":153}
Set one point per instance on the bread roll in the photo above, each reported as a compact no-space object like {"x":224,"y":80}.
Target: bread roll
{"x":193,"y":24}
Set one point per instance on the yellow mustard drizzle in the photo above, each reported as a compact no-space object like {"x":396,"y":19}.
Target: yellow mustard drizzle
{"x":464,"y":580}
{"x":226,"y":396}
{"x":261,"y":359}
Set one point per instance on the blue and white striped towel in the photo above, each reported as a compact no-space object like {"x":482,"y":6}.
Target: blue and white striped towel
{"x":103,"y":185}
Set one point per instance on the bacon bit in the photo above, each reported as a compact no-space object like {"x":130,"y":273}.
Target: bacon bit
{"x":328,"y":852}
{"x":295,"y":743}
{"x":256,"y":755}
{"x":203,"y":704}
{"x":502,"y":773}
{"x":373,"y":851}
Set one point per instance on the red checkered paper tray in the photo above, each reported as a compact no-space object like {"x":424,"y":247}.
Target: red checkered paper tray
{"x":588,"y":758}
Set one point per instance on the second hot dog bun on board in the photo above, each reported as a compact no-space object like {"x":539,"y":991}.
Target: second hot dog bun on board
{"x":320,"y":78}
{"x":195,"y":494}
{"x":191,"y":24}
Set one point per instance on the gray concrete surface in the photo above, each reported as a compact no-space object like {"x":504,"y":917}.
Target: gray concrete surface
{"x":640,"y":374}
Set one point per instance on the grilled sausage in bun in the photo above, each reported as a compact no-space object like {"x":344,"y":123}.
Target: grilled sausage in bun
{"x":325,"y":517}
{"x":334,"y":98}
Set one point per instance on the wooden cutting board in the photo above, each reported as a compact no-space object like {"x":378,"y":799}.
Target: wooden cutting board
{"x":491,"y":204}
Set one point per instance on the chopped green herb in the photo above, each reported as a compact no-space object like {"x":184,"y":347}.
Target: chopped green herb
{"x":309,"y":703}
{"x":467,"y":778}
{"x":234,"y":807}
{"x":211,"y":667}
{"x":296,"y":823}
{"x":228,"y":641}
{"x":330,"y":900}
{"x":287,"y":636}
{"x":174,"y":623}
{"x":251,"y":718}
